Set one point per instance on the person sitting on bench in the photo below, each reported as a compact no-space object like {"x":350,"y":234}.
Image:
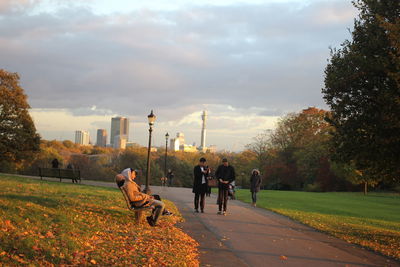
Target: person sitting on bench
{"x":139,"y":199}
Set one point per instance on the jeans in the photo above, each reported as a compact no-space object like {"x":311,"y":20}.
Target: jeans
{"x":222,"y":198}
{"x":158,"y":209}
{"x":254,"y":196}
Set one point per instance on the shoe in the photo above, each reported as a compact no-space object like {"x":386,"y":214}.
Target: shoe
{"x":202,"y":211}
{"x":150,"y":221}
{"x":224,"y":213}
{"x":196,"y":210}
{"x":167,"y":213}
{"x":219,"y":212}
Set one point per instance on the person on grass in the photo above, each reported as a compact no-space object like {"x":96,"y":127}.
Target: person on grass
{"x":255,"y":184}
{"x":225,"y":175}
{"x":139,"y":199}
{"x":200,"y":173}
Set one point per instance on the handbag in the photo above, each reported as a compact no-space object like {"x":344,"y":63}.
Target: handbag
{"x":212,"y":182}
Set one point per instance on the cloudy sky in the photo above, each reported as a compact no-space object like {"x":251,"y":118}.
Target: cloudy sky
{"x":247,"y":62}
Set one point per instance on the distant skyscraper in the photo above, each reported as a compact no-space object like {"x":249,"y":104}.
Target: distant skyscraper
{"x":82,"y":137}
{"x":181,"y":140}
{"x":120,"y":142}
{"x":101,"y":137}
{"x":203,"y":130}
{"x":119,"y":126}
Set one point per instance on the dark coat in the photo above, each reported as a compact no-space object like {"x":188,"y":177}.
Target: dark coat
{"x":225,"y":173}
{"x":255,"y":183}
{"x":198,"y":186}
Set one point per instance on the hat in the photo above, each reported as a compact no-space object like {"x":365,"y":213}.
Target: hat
{"x":224,"y":160}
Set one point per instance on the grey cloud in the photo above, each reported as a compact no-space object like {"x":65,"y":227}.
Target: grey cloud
{"x":268,"y":56}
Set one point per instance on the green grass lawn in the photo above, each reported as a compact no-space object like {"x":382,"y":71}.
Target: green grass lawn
{"x":51,"y":223}
{"x":372,"y":221}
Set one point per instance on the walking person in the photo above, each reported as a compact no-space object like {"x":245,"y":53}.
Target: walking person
{"x":255,"y":184}
{"x":225,"y":175}
{"x":200,"y":173}
{"x":170,"y":176}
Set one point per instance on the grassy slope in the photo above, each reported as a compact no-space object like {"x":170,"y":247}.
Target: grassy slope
{"x":372,"y":221}
{"x":44,"y":223}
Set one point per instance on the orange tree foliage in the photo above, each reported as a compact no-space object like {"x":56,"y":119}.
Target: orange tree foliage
{"x":18,"y":137}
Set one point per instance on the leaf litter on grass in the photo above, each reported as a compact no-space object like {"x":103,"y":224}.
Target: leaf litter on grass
{"x":59,"y":228}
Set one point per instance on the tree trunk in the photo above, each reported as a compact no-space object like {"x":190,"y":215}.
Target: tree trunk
{"x":365,"y":188}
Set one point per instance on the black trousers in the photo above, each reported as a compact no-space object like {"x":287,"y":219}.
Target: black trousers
{"x":222,"y":197}
{"x":200,"y":196}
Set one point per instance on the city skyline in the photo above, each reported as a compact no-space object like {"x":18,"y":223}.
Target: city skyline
{"x":82,"y":63}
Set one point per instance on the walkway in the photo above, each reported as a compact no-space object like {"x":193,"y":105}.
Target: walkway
{"x":250,"y":236}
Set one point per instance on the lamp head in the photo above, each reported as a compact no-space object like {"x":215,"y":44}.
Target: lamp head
{"x":151,"y":118}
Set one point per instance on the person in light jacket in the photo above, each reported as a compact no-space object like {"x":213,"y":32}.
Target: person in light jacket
{"x":255,"y":183}
{"x":139,"y":199}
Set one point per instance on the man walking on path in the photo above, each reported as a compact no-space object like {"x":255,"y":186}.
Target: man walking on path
{"x":225,"y":175}
{"x":200,"y":173}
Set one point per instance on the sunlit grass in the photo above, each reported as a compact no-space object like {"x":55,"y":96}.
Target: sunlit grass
{"x":372,"y":221}
{"x":44,"y":223}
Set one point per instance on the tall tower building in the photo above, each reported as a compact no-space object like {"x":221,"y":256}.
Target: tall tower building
{"x":203,"y":130}
{"x":101,"y":137}
{"x":119,"y":126}
{"x":181,"y":139}
{"x":82,"y":137}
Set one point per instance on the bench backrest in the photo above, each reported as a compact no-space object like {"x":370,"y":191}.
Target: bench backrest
{"x":120,"y":181}
{"x":59,"y":173}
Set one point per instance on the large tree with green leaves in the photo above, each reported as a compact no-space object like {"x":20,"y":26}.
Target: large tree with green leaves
{"x":363,"y":91}
{"x":18,"y":137}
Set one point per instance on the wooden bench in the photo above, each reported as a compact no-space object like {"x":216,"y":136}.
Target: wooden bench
{"x":72,"y":174}
{"x":138,"y":210}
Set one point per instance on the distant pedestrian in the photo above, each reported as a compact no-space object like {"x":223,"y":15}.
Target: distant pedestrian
{"x":54,"y":163}
{"x":71,"y":168}
{"x":255,"y":184}
{"x":200,"y":173}
{"x":170,"y":176}
{"x":164,"y":181}
{"x":225,"y":175}
{"x":208,"y":193}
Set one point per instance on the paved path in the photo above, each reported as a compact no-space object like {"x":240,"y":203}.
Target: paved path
{"x":250,"y":236}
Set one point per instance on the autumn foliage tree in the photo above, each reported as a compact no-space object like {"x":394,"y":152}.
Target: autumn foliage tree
{"x":18,"y":138}
{"x":297,"y":154}
{"x":362,"y":89}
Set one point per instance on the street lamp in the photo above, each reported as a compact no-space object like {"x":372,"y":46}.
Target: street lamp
{"x":166,"y":153}
{"x":151,"y":118}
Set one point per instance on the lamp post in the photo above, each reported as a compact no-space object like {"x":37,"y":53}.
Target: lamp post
{"x":166,"y":153}
{"x":151,"y":118}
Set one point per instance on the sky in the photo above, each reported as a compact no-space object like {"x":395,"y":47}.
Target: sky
{"x":247,"y":63}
